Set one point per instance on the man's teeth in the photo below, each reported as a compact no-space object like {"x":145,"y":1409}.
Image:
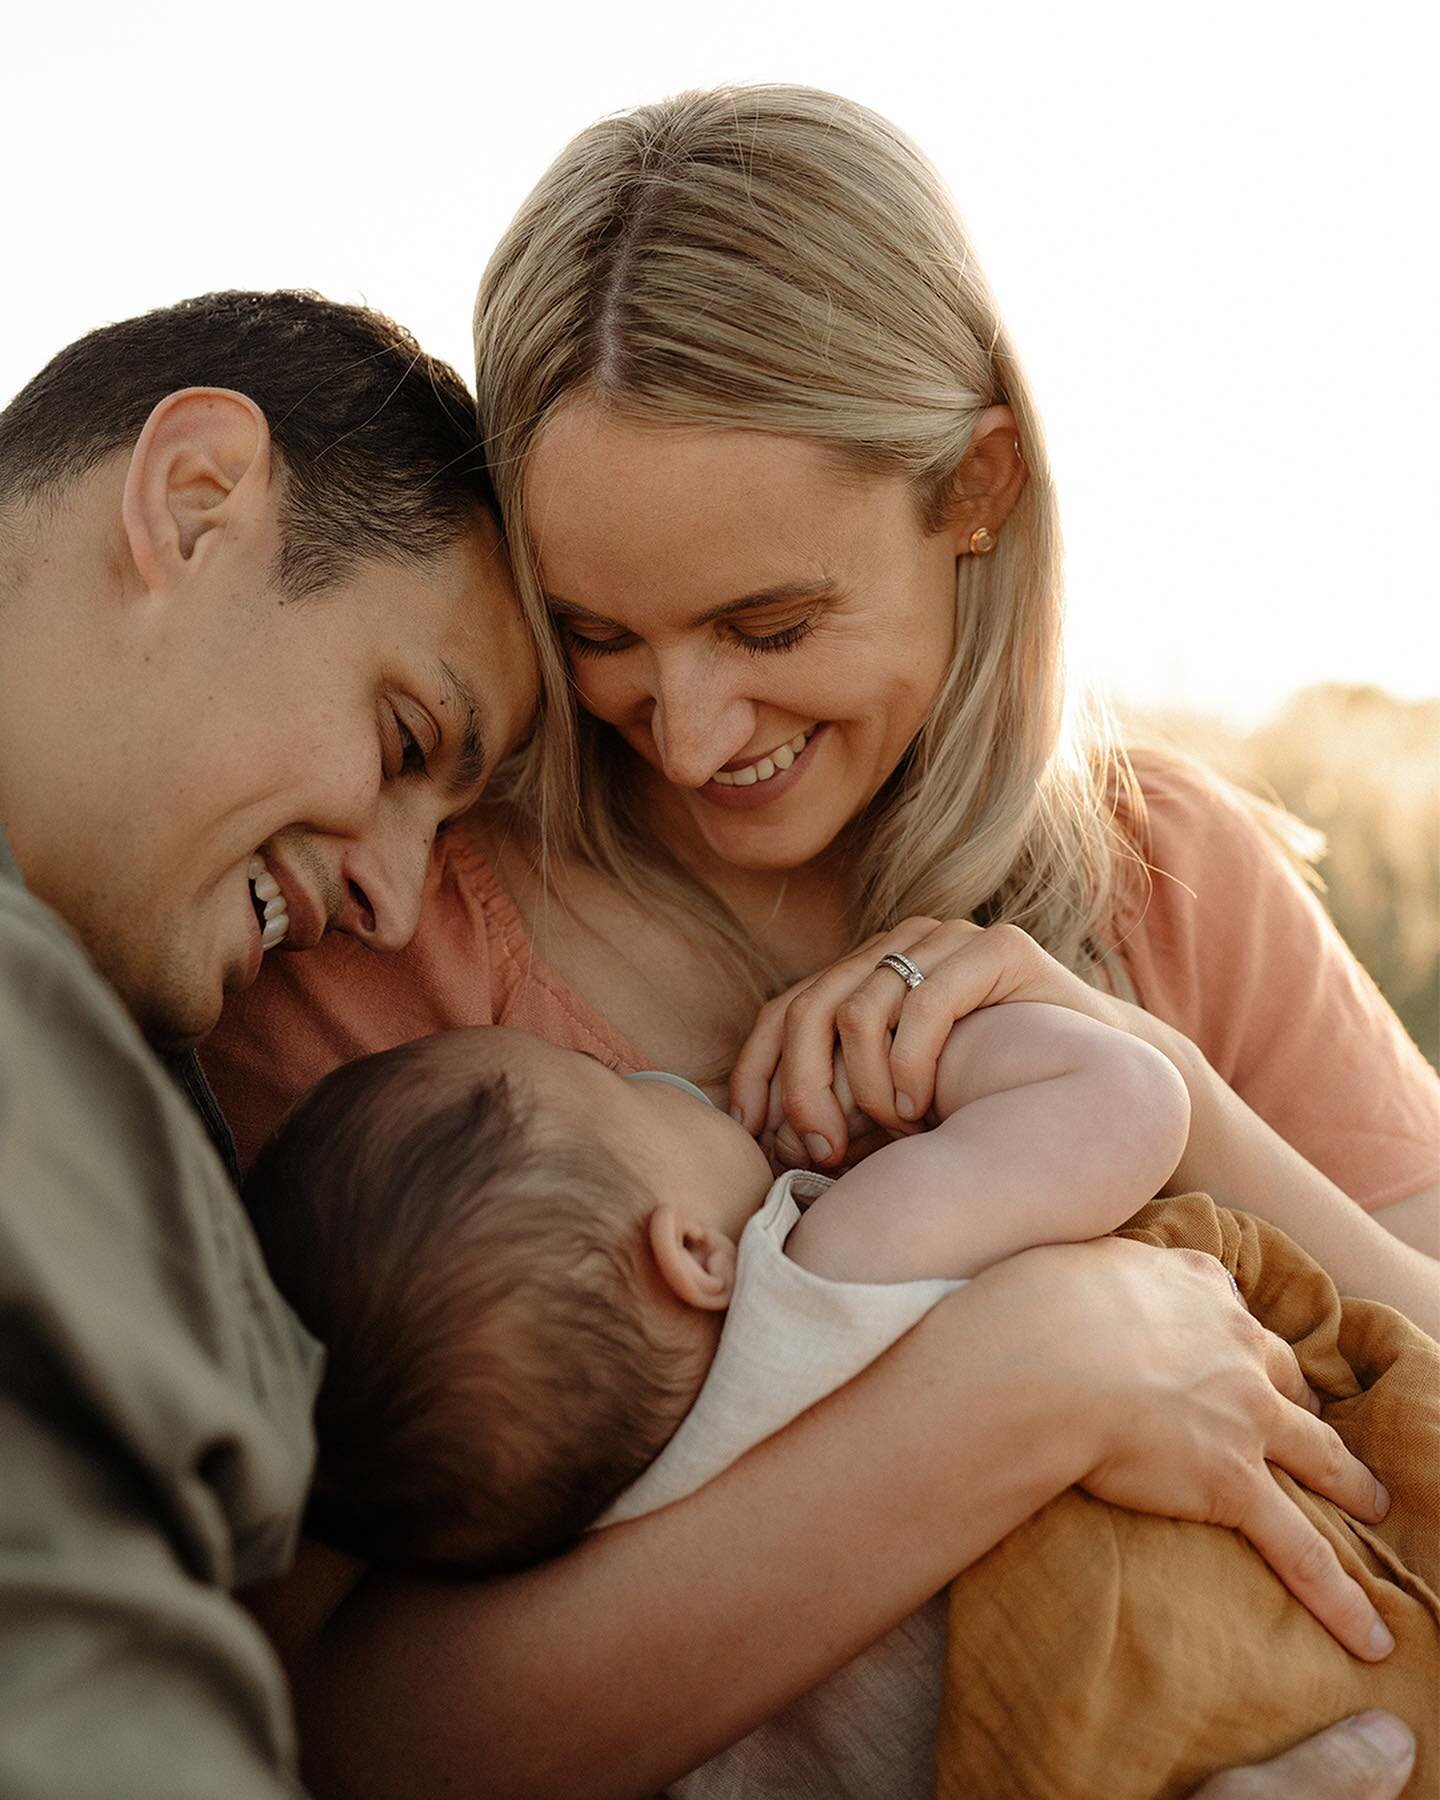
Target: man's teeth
{"x":767,"y":765}
{"x":266,"y":888}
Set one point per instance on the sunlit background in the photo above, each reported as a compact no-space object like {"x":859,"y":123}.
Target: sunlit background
{"x":1212,"y":229}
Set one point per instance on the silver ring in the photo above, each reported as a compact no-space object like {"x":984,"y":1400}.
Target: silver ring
{"x":903,"y":967}
{"x":1235,"y":1287}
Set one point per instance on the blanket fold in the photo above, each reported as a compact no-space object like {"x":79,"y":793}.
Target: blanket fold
{"x":1100,"y":1654}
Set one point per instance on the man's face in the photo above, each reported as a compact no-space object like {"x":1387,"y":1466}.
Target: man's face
{"x":312,"y":746}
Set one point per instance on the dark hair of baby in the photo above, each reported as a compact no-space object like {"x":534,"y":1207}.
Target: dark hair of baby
{"x":474,"y":1274}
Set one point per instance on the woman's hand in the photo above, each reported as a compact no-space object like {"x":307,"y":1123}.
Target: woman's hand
{"x":1368,"y":1757}
{"x":1190,"y":1398}
{"x":858,"y":1024}
{"x":890,"y":1035}
{"x":861,"y":1135}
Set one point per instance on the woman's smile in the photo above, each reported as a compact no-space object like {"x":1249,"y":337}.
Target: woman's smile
{"x":766,"y":779}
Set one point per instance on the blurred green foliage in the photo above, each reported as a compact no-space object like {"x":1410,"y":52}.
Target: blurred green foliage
{"x":1364,"y":769}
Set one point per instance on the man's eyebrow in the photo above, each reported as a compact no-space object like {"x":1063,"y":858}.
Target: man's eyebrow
{"x":775,"y":596}
{"x":471,"y":762}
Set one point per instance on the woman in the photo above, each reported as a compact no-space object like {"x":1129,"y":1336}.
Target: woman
{"x":767,"y":459}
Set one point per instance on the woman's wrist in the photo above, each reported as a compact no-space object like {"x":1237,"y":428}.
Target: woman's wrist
{"x":1076,"y":1370}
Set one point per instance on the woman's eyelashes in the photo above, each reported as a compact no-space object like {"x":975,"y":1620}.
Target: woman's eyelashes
{"x":785,"y":639}
{"x":755,"y":643}
{"x":591,"y":646}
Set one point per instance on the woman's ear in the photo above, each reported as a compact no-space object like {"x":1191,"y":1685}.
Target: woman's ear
{"x":203,"y":455}
{"x":989,"y":481}
{"x":696,"y":1262}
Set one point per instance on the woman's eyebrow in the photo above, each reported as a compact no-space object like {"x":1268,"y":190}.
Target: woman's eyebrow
{"x":773,"y":596}
{"x":573,"y":610}
{"x":776,"y":596}
{"x":471,"y":761}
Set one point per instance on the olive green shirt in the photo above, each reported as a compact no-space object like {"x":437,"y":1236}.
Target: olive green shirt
{"x":155,"y":1396}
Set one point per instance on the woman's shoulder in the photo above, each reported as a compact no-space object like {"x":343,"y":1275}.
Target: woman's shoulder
{"x":1203,"y":851}
{"x":1180,"y":813}
{"x":1225,"y":937}
{"x":1219,"y":874}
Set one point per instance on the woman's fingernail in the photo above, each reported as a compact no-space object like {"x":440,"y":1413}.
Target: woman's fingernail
{"x":1387,"y":1734}
{"x":737,"y":1113}
{"x":818,"y":1146}
{"x":1381,"y":1642}
{"x":905,"y":1106}
{"x":1382,"y":1500}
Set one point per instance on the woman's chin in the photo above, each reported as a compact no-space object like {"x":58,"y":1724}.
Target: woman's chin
{"x":751,"y":842}
{"x":783,"y":835}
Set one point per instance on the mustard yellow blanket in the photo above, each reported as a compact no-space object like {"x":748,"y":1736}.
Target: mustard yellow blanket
{"x":1099,"y":1654}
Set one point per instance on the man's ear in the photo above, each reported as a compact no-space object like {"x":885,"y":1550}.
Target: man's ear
{"x":696,"y":1262}
{"x":203,"y":458}
{"x":989,"y":481}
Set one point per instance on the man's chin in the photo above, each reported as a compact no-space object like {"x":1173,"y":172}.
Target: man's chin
{"x":173,"y":1023}
{"x":175,"y":1000}
{"x":173,"y":1038}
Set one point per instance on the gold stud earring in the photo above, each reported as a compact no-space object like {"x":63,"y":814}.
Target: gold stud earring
{"x":982,"y":541}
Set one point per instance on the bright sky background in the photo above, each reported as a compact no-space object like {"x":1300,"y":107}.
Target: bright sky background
{"x":1211,"y":227}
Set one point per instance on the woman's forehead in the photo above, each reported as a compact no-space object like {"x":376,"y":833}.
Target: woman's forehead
{"x":619,"y":511}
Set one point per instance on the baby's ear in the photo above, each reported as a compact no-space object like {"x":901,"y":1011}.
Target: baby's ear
{"x":696,"y":1261}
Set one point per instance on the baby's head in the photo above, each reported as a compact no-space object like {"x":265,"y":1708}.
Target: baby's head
{"x":518,"y":1262}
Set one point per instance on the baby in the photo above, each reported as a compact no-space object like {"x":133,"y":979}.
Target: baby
{"x":554,"y":1296}
{"x":520,"y":1261}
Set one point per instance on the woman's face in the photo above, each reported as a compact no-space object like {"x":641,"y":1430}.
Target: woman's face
{"x":765,"y":629}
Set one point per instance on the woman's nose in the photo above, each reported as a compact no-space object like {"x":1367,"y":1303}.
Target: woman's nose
{"x":698,"y":724}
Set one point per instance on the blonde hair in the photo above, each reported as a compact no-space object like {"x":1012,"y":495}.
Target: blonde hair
{"x":783,"y":260}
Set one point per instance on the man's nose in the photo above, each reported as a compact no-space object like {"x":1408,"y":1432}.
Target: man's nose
{"x":698,"y":723}
{"x":383,"y":875}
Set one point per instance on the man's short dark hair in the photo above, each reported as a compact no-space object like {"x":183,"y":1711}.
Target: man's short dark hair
{"x":491,"y":1383}
{"x":377,"y":442}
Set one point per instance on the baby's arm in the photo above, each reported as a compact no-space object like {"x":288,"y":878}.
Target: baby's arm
{"x":1052,"y":1128}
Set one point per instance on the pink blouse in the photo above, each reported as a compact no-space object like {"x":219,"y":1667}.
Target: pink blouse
{"x":1230,"y":947}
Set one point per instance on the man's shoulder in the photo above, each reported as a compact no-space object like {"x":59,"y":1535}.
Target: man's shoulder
{"x":112,"y":1187}
{"x":37,"y":946}
{"x":49,"y":986}
{"x":78,"y":1080}
{"x":47,"y":981}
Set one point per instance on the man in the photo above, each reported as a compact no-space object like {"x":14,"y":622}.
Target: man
{"x":257,"y":641}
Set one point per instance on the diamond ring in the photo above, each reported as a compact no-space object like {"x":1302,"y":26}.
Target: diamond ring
{"x":903,"y":967}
